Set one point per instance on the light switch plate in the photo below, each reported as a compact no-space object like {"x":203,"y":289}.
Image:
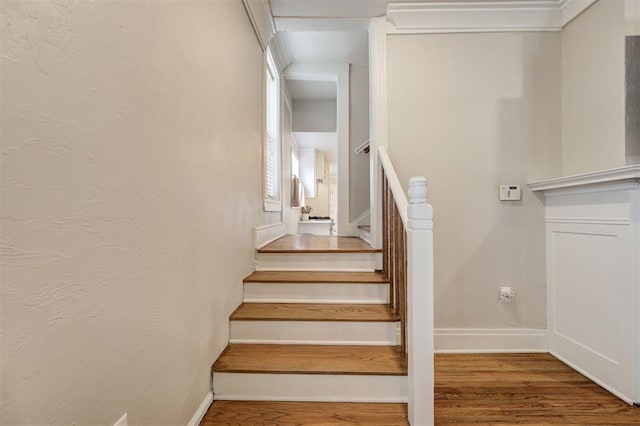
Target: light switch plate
{"x":510,"y":193}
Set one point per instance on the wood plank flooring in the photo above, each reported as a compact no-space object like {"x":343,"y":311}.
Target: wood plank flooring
{"x":304,"y":413}
{"x":523,"y":389}
{"x":313,"y":312}
{"x":311,"y":359}
{"x":317,"y":244}
{"x":504,"y":389}
{"x":329,"y":277}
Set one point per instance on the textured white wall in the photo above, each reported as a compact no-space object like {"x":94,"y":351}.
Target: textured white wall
{"x":593,"y":132}
{"x":469,"y":112}
{"x":358,"y":133}
{"x":314,"y":116}
{"x":131,"y":183}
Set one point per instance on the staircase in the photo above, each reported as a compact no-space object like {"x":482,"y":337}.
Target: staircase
{"x":315,"y":325}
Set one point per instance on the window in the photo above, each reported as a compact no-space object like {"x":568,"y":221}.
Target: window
{"x":272,"y":138}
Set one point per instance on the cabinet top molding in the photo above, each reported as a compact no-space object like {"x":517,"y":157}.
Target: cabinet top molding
{"x":617,"y":175}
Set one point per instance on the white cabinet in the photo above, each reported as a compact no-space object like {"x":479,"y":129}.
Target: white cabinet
{"x":308,"y":172}
{"x":312,"y":170}
{"x":320,"y":172}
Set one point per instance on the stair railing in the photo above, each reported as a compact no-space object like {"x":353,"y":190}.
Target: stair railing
{"x":407,"y":250}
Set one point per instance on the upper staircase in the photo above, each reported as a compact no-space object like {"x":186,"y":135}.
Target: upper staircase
{"x":326,"y":333}
{"x":318,"y":321}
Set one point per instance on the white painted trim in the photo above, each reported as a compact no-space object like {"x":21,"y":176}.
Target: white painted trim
{"x":589,"y":220}
{"x":592,"y":378}
{"x":486,"y":340}
{"x":391,"y":400}
{"x":281,"y":53}
{"x":316,"y":72}
{"x":309,"y":387}
{"x":483,"y":16}
{"x":321,"y":24}
{"x":342,"y":130}
{"x":357,"y":262}
{"x":261,"y":19}
{"x":380,"y":333}
{"x":313,"y":342}
{"x":377,"y":121}
{"x":570,"y":9}
{"x":202,"y":410}
{"x":266,"y":234}
{"x":619,"y":175}
{"x":319,"y":301}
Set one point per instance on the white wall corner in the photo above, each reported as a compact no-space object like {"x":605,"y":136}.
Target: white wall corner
{"x":268,"y":233}
{"x":262,"y":20}
{"x":570,"y":9}
{"x":484,"y":16}
{"x":490,"y":340}
{"x":202,"y":410}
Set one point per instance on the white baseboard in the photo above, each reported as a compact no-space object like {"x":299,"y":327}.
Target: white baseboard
{"x":490,"y":340}
{"x":266,"y":234}
{"x":202,"y":410}
{"x":620,"y":395}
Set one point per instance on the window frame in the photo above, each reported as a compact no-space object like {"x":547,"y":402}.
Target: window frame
{"x":272,"y":202}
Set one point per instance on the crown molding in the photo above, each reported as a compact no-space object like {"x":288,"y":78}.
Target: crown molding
{"x":280,"y":47}
{"x":261,"y":19}
{"x":617,"y":175}
{"x":484,"y":16}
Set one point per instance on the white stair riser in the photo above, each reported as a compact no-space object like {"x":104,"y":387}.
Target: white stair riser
{"x":361,"y":262}
{"x":315,"y":293}
{"x":309,"y":387}
{"x":315,"y":332}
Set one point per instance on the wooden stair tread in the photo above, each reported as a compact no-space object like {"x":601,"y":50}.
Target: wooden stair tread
{"x":329,"y":277}
{"x":299,"y":413}
{"x":318,"y":244}
{"x":313,"y":312}
{"x":311,"y":359}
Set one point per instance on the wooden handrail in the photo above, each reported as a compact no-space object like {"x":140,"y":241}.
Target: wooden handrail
{"x":394,"y":183}
{"x":407,"y":248}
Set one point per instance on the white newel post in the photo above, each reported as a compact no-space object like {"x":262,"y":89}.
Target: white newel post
{"x":420,"y":304}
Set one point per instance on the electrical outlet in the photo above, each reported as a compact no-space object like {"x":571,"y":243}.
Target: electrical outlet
{"x":507,"y":295}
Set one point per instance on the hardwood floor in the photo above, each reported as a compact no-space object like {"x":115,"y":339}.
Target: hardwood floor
{"x":313,"y":312}
{"x":504,"y":389}
{"x":304,"y":413}
{"x":311,"y":359}
{"x":523,"y":389}
{"x":317,"y":244}
{"x":329,"y":277}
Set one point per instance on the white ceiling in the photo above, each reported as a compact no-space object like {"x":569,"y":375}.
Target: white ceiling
{"x":329,"y":8}
{"x":316,"y":90}
{"x":328,"y":47}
